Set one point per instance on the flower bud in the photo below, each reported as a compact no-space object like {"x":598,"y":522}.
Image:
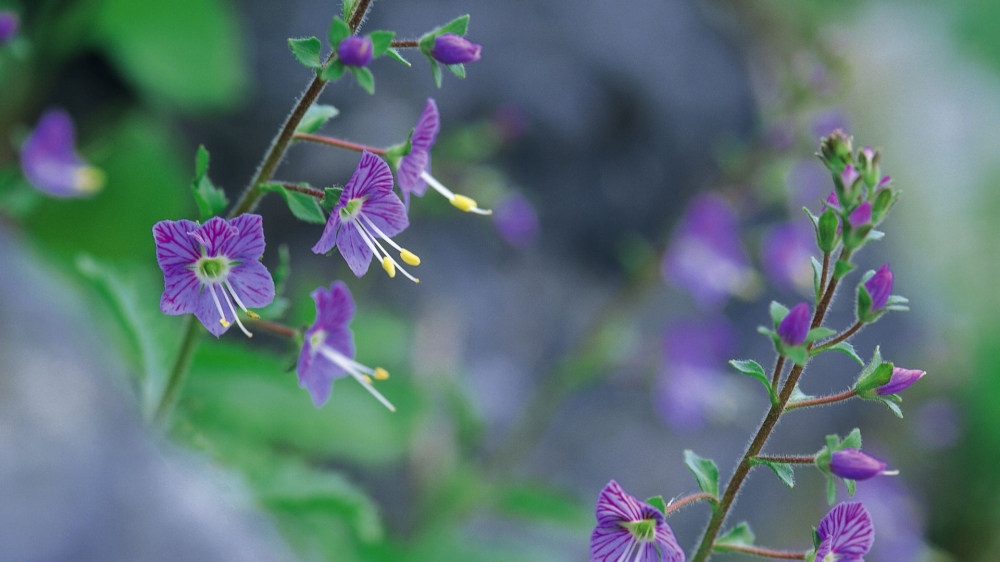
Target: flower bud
{"x":869,"y":162}
{"x":355,"y":51}
{"x":794,"y":327}
{"x":880,"y":287}
{"x":832,"y":200}
{"x":455,"y":49}
{"x":852,"y":464}
{"x":835,"y":150}
{"x":900,"y":381}
{"x":9,"y":26}
{"x":861,"y":216}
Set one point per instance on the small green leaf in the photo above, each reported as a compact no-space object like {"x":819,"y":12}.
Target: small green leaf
{"x":306,"y":51}
{"x":457,"y":70}
{"x":305,"y":207}
{"x":798,"y":395}
{"x":316,"y":116}
{"x":210,"y":200}
{"x":848,"y":349}
{"x":436,"y":71}
{"x":458,"y":26}
{"x":331,"y":197}
{"x":364,"y":78}
{"x":658,"y":503}
{"x":852,"y":441}
{"x":339,"y":30}
{"x":820,"y":333}
{"x":778,"y":312}
{"x":394,"y":54}
{"x":827,"y":235}
{"x":812,"y":218}
{"x":740,"y":535}
{"x":782,"y":470}
{"x":852,"y":486}
{"x":381,"y":41}
{"x":752,"y":368}
{"x":333,"y":71}
{"x":831,"y":490}
{"x":842,"y":268}
{"x":705,"y":472}
{"x":892,"y":406}
{"x":817,"y":276}
{"x":348,"y":8}
{"x":797,"y":354}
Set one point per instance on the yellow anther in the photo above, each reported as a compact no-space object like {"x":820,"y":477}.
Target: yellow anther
{"x":409,"y":257}
{"x":464,"y":203}
{"x":253,"y":315}
{"x":381,"y":374}
{"x":89,"y":179}
{"x":367,"y":379}
{"x":388,"y":266}
{"x":224,"y":323}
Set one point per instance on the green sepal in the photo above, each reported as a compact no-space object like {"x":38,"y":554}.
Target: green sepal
{"x":316,"y":116}
{"x":797,"y":354}
{"x":705,"y":472}
{"x":658,"y":503}
{"x":831,"y":490}
{"x":864,"y":306}
{"x":778,"y":312}
{"x":842,"y":268}
{"x":833,"y":444}
{"x":884,"y":201}
{"x":866,"y":386}
{"x":210,"y":200}
{"x":458,"y":26}
{"x":304,"y":207}
{"x":897,"y":303}
{"x":843,"y":347}
{"x":333,"y":71}
{"x":457,"y":69}
{"x":826,"y":231}
{"x":306,"y":51}
{"x":890,"y":402}
{"x":381,"y":41}
{"x":810,"y":556}
{"x":364,"y":78}
{"x":782,"y":470}
{"x":331,"y":197}
{"x":812,"y":218}
{"x":852,"y":486}
{"x":854,"y":238}
{"x":339,"y":30}
{"x":820,"y":333}
{"x":348,"y":8}
{"x":394,"y":55}
{"x":740,"y":535}
{"x":752,"y":368}
{"x":436,"y":72}
{"x":817,"y":276}
{"x":873,"y":236}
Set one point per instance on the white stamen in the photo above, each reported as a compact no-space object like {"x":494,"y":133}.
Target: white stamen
{"x":349,"y":365}
{"x":440,"y":188}
{"x":365,"y":234}
{"x":382,"y":234}
{"x":233,"y":310}
{"x":235,"y":296}
{"x":218,"y":306}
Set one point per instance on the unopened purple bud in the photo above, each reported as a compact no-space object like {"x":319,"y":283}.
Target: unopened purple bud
{"x":355,"y":51}
{"x":861,"y":216}
{"x":852,"y":464}
{"x":832,"y":200}
{"x":884,"y":182}
{"x":455,"y":49}
{"x":9,"y":26}
{"x":868,"y":154}
{"x":794,"y":328}
{"x":900,"y":381}
{"x":849,"y":176}
{"x":880,"y":287}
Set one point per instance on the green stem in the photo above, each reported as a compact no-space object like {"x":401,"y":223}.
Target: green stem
{"x":179,"y":371}
{"x":766,"y":552}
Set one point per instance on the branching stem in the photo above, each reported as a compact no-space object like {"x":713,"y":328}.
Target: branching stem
{"x":822,"y":400}
{"x":338,"y":143}
{"x":688,"y":500}
{"x":766,"y":552}
{"x":788,"y":459}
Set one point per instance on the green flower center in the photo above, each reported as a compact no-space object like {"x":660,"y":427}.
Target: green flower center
{"x":351,"y":209}
{"x":212,"y":269}
{"x":317,"y":338}
{"x":643,"y":530}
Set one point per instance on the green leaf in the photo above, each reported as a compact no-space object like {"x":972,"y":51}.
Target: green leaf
{"x":211,"y":200}
{"x":364,"y":78}
{"x":306,"y":51}
{"x":316,"y":116}
{"x":394,"y":55}
{"x":331,"y":197}
{"x":842,"y":268}
{"x":831,"y":490}
{"x":797,"y":354}
{"x":658,"y":503}
{"x":847,"y":349}
{"x":827,"y":235}
{"x":457,"y":70}
{"x":436,"y":72}
{"x":304,"y":207}
{"x":782,"y":470}
{"x":381,"y":41}
{"x":778,"y":312}
{"x":752,"y":368}
{"x":867,"y":385}
{"x":892,"y":406}
{"x":820,"y":333}
{"x":339,"y":30}
{"x":348,"y":8}
{"x":705,"y":472}
{"x":812,"y":218}
{"x":852,"y":441}
{"x":817,"y":276}
{"x":333,"y":71}
{"x":740,"y":535}
{"x":458,"y":26}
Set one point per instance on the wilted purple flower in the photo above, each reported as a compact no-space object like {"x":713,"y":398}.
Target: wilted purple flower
{"x":631,"y":530}
{"x":855,"y":465}
{"x":454,"y":49}
{"x":50,"y":162}
{"x":846,"y":532}
{"x":366,"y":211}
{"x":10,"y":24}
{"x":880,"y":287}
{"x":414,"y":169}
{"x":355,"y":51}
{"x":706,"y":256}
{"x":900,"y":381}
{"x":517,"y":220}
{"x":861,"y":216}
{"x":785,"y":254}
{"x":328,"y":351}
{"x":794,"y":327}
{"x":211,"y":264}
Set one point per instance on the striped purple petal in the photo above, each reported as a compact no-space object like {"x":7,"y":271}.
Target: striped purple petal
{"x":614,"y":505}
{"x":411,"y":167}
{"x":387,"y":212}
{"x":352,"y":246}
{"x":253,"y":283}
{"x":372,"y":176}
{"x":174,"y":246}
{"x":667,"y":542}
{"x":610,"y":544}
{"x":49,"y":159}
{"x":208,"y":314}
{"x":334,"y":310}
{"x":248,"y":244}
{"x":428,"y":125}
{"x":214,"y":235}
{"x":328,"y":240}
{"x":846,"y":531}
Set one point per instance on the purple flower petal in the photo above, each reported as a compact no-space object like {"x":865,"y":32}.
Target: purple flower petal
{"x":214,"y":235}
{"x":174,"y":246}
{"x":334,"y":310}
{"x":10,"y":23}
{"x":900,"y":381}
{"x":794,"y":328}
{"x":329,"y":238}
{"x":609,"y":544}
{"x":181,"y":292}
{"x":614,"y":505}
{"x":454,"y":49}
{"x":352,"y":246}
{"x":387,"y":212}
{"x":861,"y":216}
{"x":355,"y":51}
{"x":316,"y":374}
{"x":49,"y":159}
{"x":670,"y":550}
{"x":855,"y":465}
{"x":249,"y":244}
{"x":208,"y":313}
{"x":411,"y":167}
{"x":880,"y":287}
{"x":253,"y":284}
{"x":846,"y":531}
{"x":372,"y":176}
{"x":427,"y":127}
{"x":516,"y":220}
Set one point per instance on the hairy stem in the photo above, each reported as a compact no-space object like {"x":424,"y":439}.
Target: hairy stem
{"x":688,"y":500}
{"x":178,"y":373}
{"x":358,"y":14}
{"x":339,"y":143}
{"x":778,"y":368}
{"x":766,"y":552}
{"x":405,"y":44}
{"x":842,"y":337}
{"x":317,"y":193}
{"x":789,"y":459}
{"x":833,"y":398}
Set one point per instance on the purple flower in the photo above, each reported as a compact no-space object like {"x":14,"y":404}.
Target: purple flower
{"x":706,"y":256}
{"x":852,"y":464}
{"x":794,"y":327}
{"x":938,"y":425}
{"x":455,"y":49}
{"x":900,"y":520}
{"x":517,"y":220}
{"x":630,"y":530}
{"x":846,"y":532}
{"x":414,"y":169}
{"x":328,"y":350}
{"x":10,"y":24}
{"x":206,"y":268}
{"x":861,"y":216}
{"x":50,"y":162}
{"x":785,"y":255}
{"x":367,"y":210}
{"x":355,"y":51}
{"x":900,"y":381}
{"x":880,"y":286}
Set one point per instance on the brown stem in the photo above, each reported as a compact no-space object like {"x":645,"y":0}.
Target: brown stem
{"x":317,"y":193}
{"x":833,"y":398}
{"x":338,"y":143}
{"x":789,"y":459}
{"x":358,"y":14}
{"x":826,"y":271}
{"x":405,"y":44}
{"x":274,"y":328}
{"x":778,"y":368}
{"x":843,"y":336}
{"x":686,"y":501}
{"x":766,"y":552}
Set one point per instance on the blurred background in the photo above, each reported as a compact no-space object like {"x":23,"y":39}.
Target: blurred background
{"x":647,"y":162}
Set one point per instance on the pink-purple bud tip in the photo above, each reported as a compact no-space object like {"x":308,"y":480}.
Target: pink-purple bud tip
{"x":861,"y":216}
{"x":900,"y":381}
{"x":355,"y":51}
{"x":455,"y":49}
{"x":852,"y":464}
{"x":880,"y":287}
{"x":794,"y":328}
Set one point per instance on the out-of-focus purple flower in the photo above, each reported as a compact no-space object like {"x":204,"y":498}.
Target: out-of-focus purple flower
{"x":794,"y":327}
{"x":517,"y":220}
{"x":414,"y":169}
{"x":938,"y":424}
{"x":355,"y":51}
{"x":785,"y":254}
{"x":50,"y":162}
{"x":829,"y":121}
{"x":367,"y":211}
{"x":10,"y":24}
{"x":900,"y":381}
{"x":781,"y":136}
{"x":706,"y":256}
{"x":880,"y":287}
{"x":511,"y":121}
{"x":861,"y":216}
{"x":855,"y":465}
{"x":328,"y":350}
{"x":846,"y":532}
{"x":207,"y":268}
{"x":628,"y":529}
{"x":900,"y":521}
{"x":806,"y":182}
{"x":454,"y":49}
